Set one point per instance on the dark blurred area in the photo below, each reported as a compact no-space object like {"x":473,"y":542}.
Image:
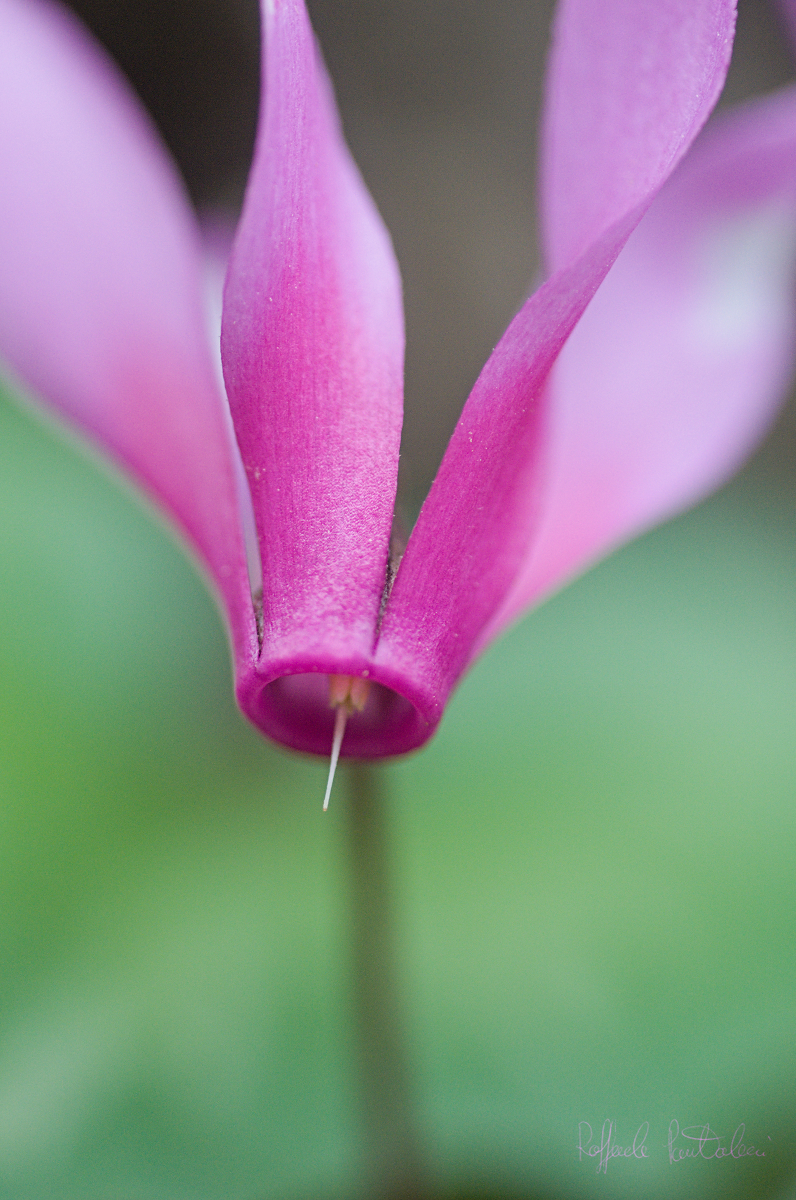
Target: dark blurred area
{"x":440,"y":104}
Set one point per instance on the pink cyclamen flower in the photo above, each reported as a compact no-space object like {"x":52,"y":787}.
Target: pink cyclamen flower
{"x":630,"y":383}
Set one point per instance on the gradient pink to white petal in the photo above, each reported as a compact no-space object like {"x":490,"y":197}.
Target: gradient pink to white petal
{"x":632,"y":381}
{"x":100,"y":294}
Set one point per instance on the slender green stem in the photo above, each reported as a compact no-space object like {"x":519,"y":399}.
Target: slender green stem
{"x":392,"y":1147}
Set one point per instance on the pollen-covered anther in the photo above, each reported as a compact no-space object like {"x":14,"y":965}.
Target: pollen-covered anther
{"x":349,"y":691}
{"x":348,"y":694}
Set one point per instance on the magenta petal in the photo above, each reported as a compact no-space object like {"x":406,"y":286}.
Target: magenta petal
{"x":684,"y":354}
{"x":100,"y":295}
{"x":475,"y":530}
{"x":312,"y":346}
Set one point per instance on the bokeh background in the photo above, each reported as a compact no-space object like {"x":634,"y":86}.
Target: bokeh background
{"x":593,"y":863}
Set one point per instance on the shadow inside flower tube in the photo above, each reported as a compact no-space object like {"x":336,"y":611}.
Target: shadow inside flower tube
{"x":307,"y":696}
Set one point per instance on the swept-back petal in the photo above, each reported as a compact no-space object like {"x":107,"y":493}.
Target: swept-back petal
{"x":630,"y":85}
{"x":100,"y":290}
{"x":681,"y":359}
{"x":667,"y":59}
{"x":312,"y":346}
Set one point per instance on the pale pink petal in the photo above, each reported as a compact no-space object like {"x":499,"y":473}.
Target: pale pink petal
{"x":100,"y":291}
{"x":312,"y":346}
{"x":680,"y":361}
{"x":630,"y":85}
{"x":475,"y":530}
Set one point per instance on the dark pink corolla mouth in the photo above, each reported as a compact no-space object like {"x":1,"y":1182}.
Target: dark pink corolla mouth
{"x":291,"y":698}
{"x":295,"y":710}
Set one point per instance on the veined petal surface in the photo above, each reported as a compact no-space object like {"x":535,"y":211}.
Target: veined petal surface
{"x":100,"y":285}
{"x":668,"y":60}
{"x":680,"y":361}
{"x":312,"y":346}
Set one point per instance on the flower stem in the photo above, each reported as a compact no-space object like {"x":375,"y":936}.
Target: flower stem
{"x":393,"y":1164}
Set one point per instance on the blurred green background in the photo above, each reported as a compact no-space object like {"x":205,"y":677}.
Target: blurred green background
{"x":593,"y":861}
